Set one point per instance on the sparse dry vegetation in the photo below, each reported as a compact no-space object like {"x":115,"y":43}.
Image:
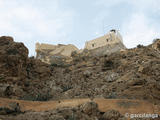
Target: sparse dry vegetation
{"x":129,"y":74}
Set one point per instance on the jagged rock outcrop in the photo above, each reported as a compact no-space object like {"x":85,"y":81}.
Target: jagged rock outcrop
{"x":19,"y":74}
{"x":132,"y":74}
{"x":13,"y":57}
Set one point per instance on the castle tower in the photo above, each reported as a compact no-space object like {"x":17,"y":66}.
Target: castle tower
{"x":108,"y":39}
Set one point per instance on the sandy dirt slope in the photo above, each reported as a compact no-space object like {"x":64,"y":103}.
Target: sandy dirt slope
{"x":122,"y":105}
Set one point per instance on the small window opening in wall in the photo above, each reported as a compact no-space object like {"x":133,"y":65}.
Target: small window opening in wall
{"x":107,"y":40}
{"x":92,"y":45}
{"x":113,"y":30}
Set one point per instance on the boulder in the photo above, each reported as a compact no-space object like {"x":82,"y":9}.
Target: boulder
{"x":13,"y":108}
{"x":111,"y":115}
{"x":89,"y":108}
{"x":87,"y":73}
{"x":111,"y":77}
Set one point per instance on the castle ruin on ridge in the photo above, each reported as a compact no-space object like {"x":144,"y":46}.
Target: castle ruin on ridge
{"x":108,"y":39}
{"x":106,"y":44}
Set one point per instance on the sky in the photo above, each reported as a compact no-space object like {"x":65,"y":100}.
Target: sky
{"x":78,"y":21}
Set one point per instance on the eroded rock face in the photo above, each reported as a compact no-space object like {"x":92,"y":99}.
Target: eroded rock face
{"x":13,"y":57}
{"x":130,"y":74}
{"x":18,"y":73}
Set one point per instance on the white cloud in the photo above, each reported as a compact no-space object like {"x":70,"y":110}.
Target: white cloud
{"x":139,"y":27}
{"x":108,"y":3}
{"x":139,"y":30}
{"x":29,"y":23}
{"x":28,"y":19}
{"x":138,"y":3}
{"x":48,"y":21}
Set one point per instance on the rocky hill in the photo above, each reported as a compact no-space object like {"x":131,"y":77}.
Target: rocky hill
{"x":132,"y":74}
{"x":129,"y":74}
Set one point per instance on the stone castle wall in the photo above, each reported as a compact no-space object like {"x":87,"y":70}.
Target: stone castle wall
{"x":47,"y":52}
{"x":107,"y":49}
{"x":110,"y":38}
{"x":106,"y":44}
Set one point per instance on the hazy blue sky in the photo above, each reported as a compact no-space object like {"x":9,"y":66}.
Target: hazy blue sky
{"x":76,"y":21}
